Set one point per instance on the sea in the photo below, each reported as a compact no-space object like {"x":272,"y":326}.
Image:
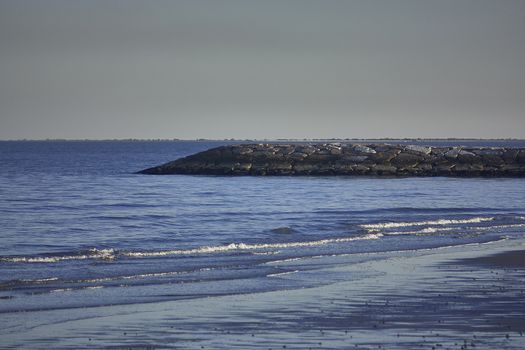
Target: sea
{"x":80,"y":228}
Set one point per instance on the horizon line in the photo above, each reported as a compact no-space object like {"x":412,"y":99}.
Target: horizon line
{"x":268,"y":139}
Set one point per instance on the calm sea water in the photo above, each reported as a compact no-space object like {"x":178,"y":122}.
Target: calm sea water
{"x":80,"y":228}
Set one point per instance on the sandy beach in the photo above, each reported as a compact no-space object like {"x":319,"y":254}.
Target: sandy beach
{"x":460,"y":297}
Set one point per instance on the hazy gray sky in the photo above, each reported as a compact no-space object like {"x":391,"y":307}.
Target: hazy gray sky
{"x":262,"y":69}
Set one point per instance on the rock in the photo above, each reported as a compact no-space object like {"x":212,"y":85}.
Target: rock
{"x":510,"y":155}
{"x":488,"y":152}
{"x":520,"y":157}
{"x":419,"y":149}
{"x":343,"y":168}
{"x":383,"y":157}
{"x":303,"y":168}
{"x":258,"y":169}
{"x":463,"y":168}
{"x":439,"y":151}
{"x":335,"y":151}
{"x":307,"y":149}
{"x":442,"y":169}
{"x":261,"y":153}
{"x":285,"y":150}
{"x":386,"y":148}
{"x":242,"y":150}
{"x":280,"y":166}
{"x":298,"y":156}
{"x":348,"y":159}
{"x":463,"y":152}
{"x":356,"y":159}
{"x":361,"y":169}
{"x":492,"y":159}
{"x":453,"y":153}
{"x":404,"y":160}
{"x":467,"y":157}
{"x":425,"y":167}
{"x":246,"y":167}
{"x":512,"y":170}
{"x":320,"y":157}
{"x":363,"y":149}
{"x":382,"y":169}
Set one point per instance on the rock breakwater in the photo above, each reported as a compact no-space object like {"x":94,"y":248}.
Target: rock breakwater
{"x":349,"y":159}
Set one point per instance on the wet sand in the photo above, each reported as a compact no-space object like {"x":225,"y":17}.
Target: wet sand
{"x":505,"y":260}
{"x":469,"y":297}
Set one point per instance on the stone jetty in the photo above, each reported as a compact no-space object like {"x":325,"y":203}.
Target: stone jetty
{"x":349,"y":159}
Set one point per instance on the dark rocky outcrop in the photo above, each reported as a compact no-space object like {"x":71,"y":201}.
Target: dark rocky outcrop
{"x":348,"y":159}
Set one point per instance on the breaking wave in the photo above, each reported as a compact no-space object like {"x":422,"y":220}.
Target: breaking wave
{"x":278,"y":274}
{"x":110,"y":254}
{"x":383,"y":225}
{"x":105,"y":254}
{"x":243,"y":246}
{"x":374,"y":231}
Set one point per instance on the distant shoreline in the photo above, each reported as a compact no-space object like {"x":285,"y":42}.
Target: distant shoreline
{"x":268,"y":140}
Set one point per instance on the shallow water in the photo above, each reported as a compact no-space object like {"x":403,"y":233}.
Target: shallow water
{"x":79,"y":228}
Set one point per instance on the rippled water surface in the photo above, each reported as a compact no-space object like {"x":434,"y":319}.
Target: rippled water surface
{"x":79,"y":228}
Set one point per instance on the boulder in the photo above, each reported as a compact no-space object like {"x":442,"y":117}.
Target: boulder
{"x":363,"y":149}
{"x":382,"y":169}
{"x":453,"y":153}
{"x":404,"y":160}
{"x":418,"y":149}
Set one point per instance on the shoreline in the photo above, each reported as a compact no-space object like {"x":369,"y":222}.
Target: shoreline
{"x":402,"y":300}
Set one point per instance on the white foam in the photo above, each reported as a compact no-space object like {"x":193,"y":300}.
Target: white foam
{"x":267,"y":253}
{"x":61,"y":290}
{"x":383,"y":225}
{"x":106,"y":254}
{"x":282,"y":273}
{"x":501,"y":226}
{"x":40,"y":280}
{"x":285,"y":260}
{"x":426,"y":230}
{"x":146,"y":275}
{"x":244,"y":246}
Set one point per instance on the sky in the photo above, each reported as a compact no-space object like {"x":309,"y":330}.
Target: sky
{"x":104,"y":69}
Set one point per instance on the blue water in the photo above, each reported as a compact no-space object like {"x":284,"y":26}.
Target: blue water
{"x":80,"y":228}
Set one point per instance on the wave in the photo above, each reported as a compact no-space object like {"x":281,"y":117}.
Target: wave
{"x":429,"y":230}
{"x":278,"y":274}
{"x":105,"y":254}
{"x":379,"y":226}
{"x":59,"y":290}
{"x":39,"y":280}
{"x":287,"y":260}
{"x":374,"y":231}
{"x":426,"y":230}
{"x":412,"y":210}
{"x":244,"y":246}
{"x":272,"y":252}
{"x":500,"y":227}
{"x":55,"y":280}
{"x":111,"y":254}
